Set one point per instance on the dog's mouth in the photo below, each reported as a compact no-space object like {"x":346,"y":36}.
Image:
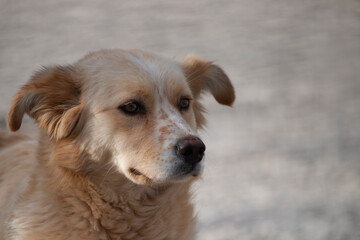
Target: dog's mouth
{"x":181,"y":174}
{"x":135,"y":172}
{"x":138,"y":176}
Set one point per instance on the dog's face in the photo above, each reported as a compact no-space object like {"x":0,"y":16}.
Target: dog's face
{"x":137,"y":109}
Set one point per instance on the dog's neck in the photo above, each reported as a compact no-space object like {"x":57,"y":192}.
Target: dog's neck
{"x":109,"y":202}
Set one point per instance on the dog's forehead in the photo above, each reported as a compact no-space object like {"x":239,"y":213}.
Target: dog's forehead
{"x":110,"y":72}
{"x":114,"y":64}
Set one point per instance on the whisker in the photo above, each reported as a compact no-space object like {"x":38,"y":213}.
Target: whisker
{"x":108,"y":171}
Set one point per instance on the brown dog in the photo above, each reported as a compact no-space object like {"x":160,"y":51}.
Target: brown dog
{"x":118,"y":148}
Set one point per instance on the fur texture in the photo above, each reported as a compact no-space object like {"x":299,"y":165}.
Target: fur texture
{"x":100,"y":169}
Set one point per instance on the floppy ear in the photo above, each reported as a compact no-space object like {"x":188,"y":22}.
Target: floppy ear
{"x":206,"y":76}
{"x":52,"y":98}
{"x":203,"y":75}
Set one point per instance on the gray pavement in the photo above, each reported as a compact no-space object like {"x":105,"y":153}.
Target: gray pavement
{"x":284,"y":162}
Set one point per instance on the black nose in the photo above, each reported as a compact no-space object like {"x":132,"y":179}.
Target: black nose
{"x":191,"y":149}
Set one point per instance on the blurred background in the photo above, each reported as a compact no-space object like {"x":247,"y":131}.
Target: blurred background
{"x":284,"y":162}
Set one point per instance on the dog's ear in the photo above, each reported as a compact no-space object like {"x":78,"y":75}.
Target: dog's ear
{"x":203,"y":75}
{"x":52,"y":98}
{"x":206,"y":76}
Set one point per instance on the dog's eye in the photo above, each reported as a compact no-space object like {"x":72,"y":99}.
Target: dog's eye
{"x":132,"y":108}
{"x":184,"y":104}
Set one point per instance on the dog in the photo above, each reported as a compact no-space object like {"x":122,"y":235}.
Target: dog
{"x":117,"y":150}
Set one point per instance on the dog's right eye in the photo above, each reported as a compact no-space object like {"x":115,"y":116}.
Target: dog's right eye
{"x":132,"y":108}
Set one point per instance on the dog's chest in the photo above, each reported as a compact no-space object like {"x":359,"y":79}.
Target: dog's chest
{"x":162,"y":218}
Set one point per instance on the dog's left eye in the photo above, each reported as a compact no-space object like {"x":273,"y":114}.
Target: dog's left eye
{"x":184,"y":104}
{"x":132,"y":108}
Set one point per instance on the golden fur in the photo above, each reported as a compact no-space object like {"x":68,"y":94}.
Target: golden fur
{"x":96,"y":172}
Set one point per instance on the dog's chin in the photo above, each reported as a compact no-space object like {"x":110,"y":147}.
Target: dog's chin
{"x":182,"y":175}
{"x":187,"y":173}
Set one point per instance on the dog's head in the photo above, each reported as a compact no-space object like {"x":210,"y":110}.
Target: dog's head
{"x":139,"y":110}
